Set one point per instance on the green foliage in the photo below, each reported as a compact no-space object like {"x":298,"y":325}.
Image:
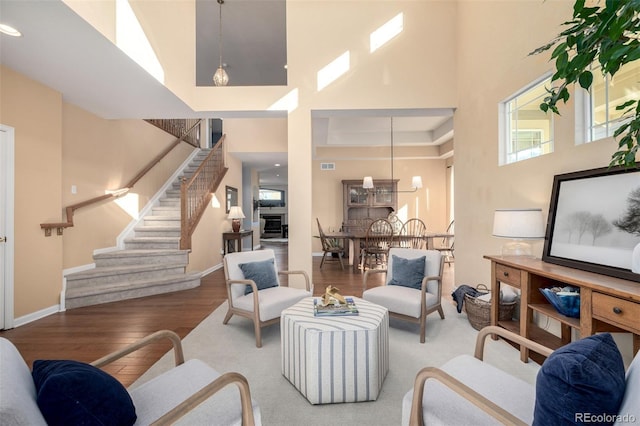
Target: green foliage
{"x":607,"y":34}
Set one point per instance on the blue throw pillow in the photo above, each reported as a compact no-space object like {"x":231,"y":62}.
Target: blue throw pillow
{"x":407,"y":272}
{"x":75,"y":393}
{"x":582,"y":382}
{"x":263,"y":273}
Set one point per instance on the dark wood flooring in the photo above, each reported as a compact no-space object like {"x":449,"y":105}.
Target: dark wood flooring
{"x":86,"y":334}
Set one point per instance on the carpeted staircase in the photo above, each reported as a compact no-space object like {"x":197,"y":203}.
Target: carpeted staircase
{"x":150,"y":263}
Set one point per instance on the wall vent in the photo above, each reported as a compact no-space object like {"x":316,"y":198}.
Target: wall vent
{"x":327,"y":166}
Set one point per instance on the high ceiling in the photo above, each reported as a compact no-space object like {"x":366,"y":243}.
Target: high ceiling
{"x":254,"y":41}
{"x":62,"y":51}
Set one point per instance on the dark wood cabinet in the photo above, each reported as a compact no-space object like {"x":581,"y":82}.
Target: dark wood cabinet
{"x":360,"y":204}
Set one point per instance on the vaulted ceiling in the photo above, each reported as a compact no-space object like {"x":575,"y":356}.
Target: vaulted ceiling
{"x":61,"y":50}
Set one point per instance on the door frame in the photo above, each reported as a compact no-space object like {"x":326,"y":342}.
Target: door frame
{"x":7,"y":196}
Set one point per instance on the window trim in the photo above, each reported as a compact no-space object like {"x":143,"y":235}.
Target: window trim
{"x":503,"y":152}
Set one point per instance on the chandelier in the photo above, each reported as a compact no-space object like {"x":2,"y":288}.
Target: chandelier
{"x":220,"y":78}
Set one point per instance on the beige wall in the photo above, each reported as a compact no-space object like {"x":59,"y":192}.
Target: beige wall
{"x":408,"y":72}
{"x":492,"y":65}
{"x":35,"y":112}
{"x":467,"y":54}
{"x":100,"y":155}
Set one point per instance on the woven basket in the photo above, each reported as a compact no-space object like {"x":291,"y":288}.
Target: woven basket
{"x":479,"y":311}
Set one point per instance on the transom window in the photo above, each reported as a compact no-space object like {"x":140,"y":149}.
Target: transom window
{"x":525,"y":130}
{"x":596,"y":114}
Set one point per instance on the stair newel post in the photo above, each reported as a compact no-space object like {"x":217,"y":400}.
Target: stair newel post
{"x":185,"y":232}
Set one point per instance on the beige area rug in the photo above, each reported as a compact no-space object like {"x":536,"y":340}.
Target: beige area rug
{"x":232,"y":348}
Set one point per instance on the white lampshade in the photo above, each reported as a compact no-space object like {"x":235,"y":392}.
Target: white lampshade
{"x":416,"y":182}
{"x":518,"y":224}
{"x":367,"y":182}
{"x":235,"y":212}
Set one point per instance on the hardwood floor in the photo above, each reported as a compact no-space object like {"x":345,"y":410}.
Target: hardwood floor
{"x":86,"y":334}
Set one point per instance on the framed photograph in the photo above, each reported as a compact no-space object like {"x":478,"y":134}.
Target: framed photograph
{"x":230,"y":197}
{"x":594,"y":222}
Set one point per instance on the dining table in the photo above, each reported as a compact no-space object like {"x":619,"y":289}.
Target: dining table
{"x":354,"y":239}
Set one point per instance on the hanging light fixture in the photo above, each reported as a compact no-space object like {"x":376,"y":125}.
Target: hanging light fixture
{"x":416,"y":181}
{"x":220,"y":78}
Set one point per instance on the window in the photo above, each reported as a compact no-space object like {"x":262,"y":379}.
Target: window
{"x":596,"y":114}
{"x":271,"y":198}
{"x":525,"y":130}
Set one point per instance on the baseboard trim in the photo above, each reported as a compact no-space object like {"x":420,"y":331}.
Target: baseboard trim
{"x":212,"y":269}
{"x":34,"y":316}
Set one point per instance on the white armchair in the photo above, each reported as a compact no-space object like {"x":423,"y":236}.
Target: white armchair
{"x":582,"y":379}
{"x":254,"y":289}
{"x":412,"y":290}
{"x":78,"y":392}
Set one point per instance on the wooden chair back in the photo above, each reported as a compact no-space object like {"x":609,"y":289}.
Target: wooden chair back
{"x":412,"y":234}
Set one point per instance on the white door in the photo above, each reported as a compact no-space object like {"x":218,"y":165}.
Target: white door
{"x":7,"y":153}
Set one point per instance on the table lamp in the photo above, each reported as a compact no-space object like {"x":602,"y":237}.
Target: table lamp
{"x":519,"y":225}
{"x":235,"y":214}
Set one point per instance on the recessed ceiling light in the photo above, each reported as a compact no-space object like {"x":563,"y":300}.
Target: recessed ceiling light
{"x":8,"y":30}
{"x":277,"y":164}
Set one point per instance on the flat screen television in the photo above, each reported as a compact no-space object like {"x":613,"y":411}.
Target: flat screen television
{"x":271,"y":197}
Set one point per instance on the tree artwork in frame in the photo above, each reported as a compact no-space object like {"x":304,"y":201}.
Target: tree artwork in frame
{"x":594,"y":222}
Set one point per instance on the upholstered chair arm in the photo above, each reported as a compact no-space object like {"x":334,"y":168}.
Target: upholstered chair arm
{"x":198,"y":397}
{"x":416,"y":416}
{"x":472,"y":396}
{"x":206,"y":392}
{"x":254,"y":287}
{"x":303,"y":273}
{"x":508,"y":335}
{"x":252,"y":283}
{"x":152,"y":338}
{"x":366,"y":276}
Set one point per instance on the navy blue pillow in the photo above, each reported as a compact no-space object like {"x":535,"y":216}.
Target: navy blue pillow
{"x":263,"y":273}
{"x":407,"y":272}
{"x":75,"y":393}
{"x":583,"y":378}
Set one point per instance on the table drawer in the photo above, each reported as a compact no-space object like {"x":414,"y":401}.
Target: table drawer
{"x":618,"y":311}
{"x":508,"y":275}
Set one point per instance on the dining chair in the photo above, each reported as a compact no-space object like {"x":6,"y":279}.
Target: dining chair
{"x":254,"y":290}
{"x":330,"y":247}
{"x":412,"y":234}
{"x":446,"y":246}
{"x":395,"y":222}
{"x":378,"y":241}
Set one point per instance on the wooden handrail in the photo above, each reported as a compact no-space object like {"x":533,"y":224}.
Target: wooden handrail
{"x":195,"y":193}
{"x":179,"y":128}
{"x":117,"y":193}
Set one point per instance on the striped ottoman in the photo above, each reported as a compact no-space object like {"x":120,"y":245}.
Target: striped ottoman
{"x":335,"y":359}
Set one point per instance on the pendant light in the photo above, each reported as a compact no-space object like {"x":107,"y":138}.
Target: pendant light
{"x":220,"y":78}
{"x":416,"y":181}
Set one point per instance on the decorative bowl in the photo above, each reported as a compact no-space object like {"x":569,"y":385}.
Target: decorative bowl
{"x":565,"y":300}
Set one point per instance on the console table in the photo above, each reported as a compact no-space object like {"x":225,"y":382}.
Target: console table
{"x":606,"y":303}
{"x":232,"y":241}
